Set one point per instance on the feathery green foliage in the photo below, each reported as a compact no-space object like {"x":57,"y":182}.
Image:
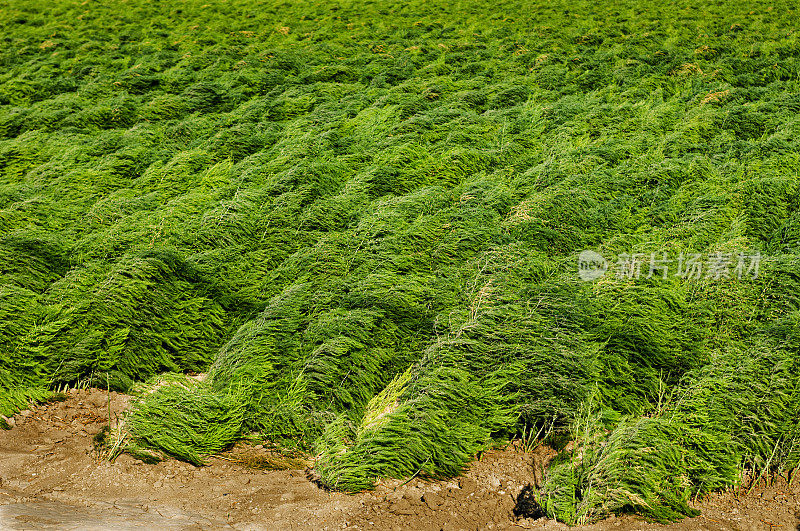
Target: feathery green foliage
{"x":363,"y":221}
{"x":185,"y":419}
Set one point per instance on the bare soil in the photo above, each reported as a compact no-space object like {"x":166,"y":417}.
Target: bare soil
{"x":51,"y":478}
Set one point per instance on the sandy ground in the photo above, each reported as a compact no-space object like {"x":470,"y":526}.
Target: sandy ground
{"x":50,"y":478}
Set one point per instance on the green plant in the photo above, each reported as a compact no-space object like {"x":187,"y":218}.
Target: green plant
{"x":364,"y":227}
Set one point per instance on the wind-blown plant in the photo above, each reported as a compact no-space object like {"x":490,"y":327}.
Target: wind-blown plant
{"x":363,"y":222}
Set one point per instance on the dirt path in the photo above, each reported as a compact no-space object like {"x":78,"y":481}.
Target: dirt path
{"x":51,"y":479}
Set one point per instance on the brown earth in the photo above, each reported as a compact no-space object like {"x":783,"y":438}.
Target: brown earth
{"x":51,"y":478}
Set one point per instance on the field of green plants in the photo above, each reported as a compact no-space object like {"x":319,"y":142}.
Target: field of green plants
{"x":362,"y":220}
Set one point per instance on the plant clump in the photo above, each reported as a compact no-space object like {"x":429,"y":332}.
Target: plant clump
{"x":364,"y":223}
